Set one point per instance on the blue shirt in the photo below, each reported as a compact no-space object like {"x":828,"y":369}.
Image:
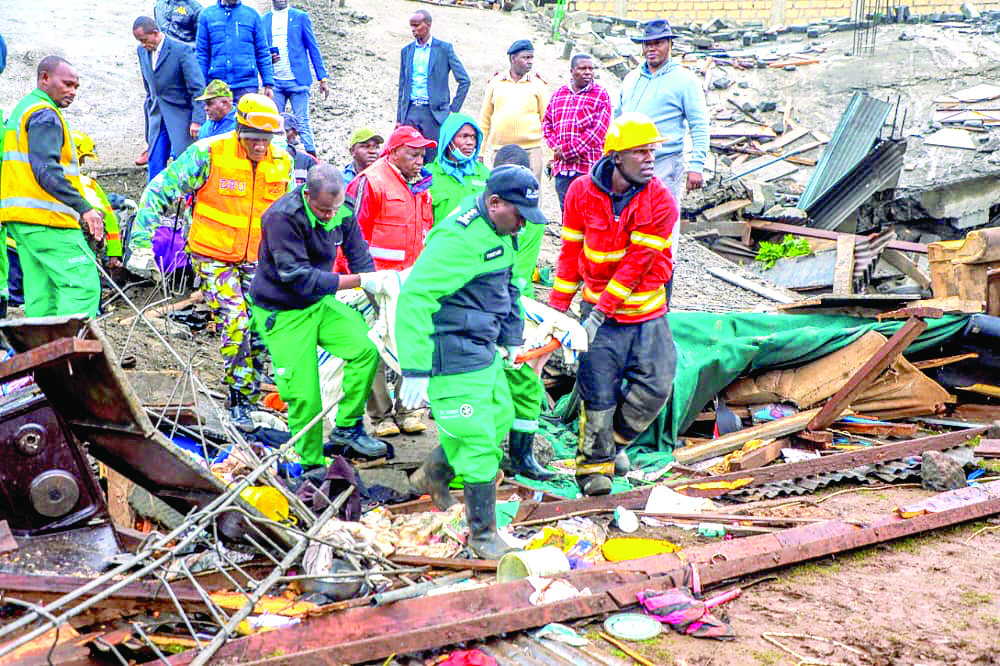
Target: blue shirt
{"x":673,"y":100}
{"x":421,"y":66}
{"x":216,"y":127}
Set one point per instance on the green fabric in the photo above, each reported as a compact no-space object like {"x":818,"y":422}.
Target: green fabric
{"x":473,"y":414}
{"x":566,"y":486}
{"x":715,"y":349}
{"x":529,"y":245}
{"x":447,"y":193}
{"x":59,"y":269}
{"x":292,"y":340}
{"x":342,"y":214}
{"x":454,"y":255}
{"x":4,"y":262}
{"x":528,"y":394}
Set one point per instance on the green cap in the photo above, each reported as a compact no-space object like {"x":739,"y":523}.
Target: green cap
{"x":364,"y":134}
{"x":215,"y":88}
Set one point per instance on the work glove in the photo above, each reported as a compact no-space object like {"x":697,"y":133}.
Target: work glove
{"x":142,"y":262}
{"x":510,"y":354}
{"x":593,"y":322}
{"x":413,"y":393}
{"x":372,"y":282}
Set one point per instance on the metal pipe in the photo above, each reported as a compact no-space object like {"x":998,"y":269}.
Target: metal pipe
{"x":419,"y":589}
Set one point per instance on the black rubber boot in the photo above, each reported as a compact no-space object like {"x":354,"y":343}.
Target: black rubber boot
{"x":433,"y":478}
{"x":522,"y":457}
{"x":239,"y":411}
{"x":481,"y":514}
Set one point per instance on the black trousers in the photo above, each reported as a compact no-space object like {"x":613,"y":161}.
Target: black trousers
{"x":420,"y":116}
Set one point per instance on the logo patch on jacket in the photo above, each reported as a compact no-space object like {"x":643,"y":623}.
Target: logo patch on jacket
{"x":277,"y":189}
{"x":232,"y":186}
{"x":466,"y":219}
{"x":494,"y":253}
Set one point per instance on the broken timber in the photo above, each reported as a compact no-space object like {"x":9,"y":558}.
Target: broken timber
{"x":365,"y":634}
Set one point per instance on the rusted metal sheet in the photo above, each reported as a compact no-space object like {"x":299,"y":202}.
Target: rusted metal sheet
{"x":46,"y":355}
{"x":868,"y":373}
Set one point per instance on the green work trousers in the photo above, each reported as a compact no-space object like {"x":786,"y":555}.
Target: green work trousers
{"x":473,"y":414}
{"x":292,"y":337}
{"x":529,"y":245}
{"x":60,"y":271}
{"x":4,"y":263}
{"x":527,"y":393}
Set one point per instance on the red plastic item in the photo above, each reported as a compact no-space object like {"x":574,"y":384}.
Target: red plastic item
{"x":468,"y":658}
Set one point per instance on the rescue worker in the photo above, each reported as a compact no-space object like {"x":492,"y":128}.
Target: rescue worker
{"x":616,"y":242}
{"x":95,"y":196}
{"x":41,"y":199}
{"x":457,"y":171}
{"x":457,"y":320}
{"x":295,"y":308}
{"x":393,"y":208}
{"x":235,"y":177}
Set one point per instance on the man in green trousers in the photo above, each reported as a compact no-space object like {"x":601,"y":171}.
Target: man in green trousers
{"x":457,"y":319}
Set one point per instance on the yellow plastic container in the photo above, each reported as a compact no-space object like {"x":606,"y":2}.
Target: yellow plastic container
{"x":269,"y":501}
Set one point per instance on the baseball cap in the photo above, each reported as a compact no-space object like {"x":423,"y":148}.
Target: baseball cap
{"x":517,"y":185}
{"x":215,"y":88}
{"x":291,"y":122}
{"x":404,"y":135}
{"x":363,"y":134}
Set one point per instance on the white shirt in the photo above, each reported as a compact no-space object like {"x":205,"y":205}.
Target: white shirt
{"x":279,"y":39}
{"x":155,"y":55}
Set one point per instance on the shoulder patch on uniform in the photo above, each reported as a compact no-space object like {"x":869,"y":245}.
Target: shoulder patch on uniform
{"x":466,"y":218}
{"x":494,"y":253}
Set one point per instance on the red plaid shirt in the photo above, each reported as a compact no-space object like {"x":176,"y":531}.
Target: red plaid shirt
{"x":576,"y":122}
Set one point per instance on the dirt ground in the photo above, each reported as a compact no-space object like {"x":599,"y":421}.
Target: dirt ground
{"x":926,"y":600}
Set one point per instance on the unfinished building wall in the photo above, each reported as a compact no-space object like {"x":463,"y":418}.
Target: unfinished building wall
{"x":770,"y":12}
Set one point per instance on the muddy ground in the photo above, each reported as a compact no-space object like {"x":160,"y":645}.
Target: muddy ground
{"x":927,"y":600}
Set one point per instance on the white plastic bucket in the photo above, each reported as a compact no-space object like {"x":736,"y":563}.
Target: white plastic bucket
{"x":547,"y":561}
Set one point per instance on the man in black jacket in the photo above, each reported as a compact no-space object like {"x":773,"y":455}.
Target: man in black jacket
{"x":295,"y":309}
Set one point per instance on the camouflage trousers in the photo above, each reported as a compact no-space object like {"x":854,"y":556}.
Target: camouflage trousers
{"x":226,"y":288}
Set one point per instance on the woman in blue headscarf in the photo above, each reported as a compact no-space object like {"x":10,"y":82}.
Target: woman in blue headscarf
{"x":457,"y":171}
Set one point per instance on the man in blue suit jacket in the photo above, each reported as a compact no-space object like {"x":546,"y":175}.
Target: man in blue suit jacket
{"x":231,"y":46}
{"x":424,"y":94}
{"x":172,"y":79}
{"x":292,"y":42}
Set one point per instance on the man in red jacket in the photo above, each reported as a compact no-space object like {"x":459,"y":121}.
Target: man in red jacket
{"x":616,"y":242}
{"x":393,"y":208}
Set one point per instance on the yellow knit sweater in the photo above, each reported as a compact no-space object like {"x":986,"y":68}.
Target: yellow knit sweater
{"x":512,"y":111}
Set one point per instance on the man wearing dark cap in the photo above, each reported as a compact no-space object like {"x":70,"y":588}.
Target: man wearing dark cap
{"x":514,"y":104}
{"x":458,"y":324}
{"x":393,"y":207}
{"x":301,"y":160}
{"x":219,"y":110}
{"x":365,"y":146}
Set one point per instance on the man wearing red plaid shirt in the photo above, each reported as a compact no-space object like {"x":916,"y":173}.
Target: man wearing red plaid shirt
{"x":575,"y":123}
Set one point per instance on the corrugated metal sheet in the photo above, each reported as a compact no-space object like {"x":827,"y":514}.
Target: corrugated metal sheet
{"x":856,"y":133}
{"x":877,"y":171}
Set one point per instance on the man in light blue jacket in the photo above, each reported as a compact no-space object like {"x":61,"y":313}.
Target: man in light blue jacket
{"x":671,"y":96}
{"x":231,"y":46}
{"x":293,"y":45}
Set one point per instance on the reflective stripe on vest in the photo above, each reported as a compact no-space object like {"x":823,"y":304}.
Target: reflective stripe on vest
{"x":226,"y":219}
{"x":403,"y":221}
{"x":22,"y":199}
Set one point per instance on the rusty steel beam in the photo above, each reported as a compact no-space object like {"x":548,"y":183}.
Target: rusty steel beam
{"x":868,"y":373}
{"x":46,"y":355}
{"x":716,"y":486}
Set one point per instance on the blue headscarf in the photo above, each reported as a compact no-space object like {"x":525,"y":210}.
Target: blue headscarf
{"x":453,"y":162}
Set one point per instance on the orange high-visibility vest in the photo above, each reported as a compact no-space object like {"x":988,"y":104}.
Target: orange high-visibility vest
{"x":401,"y":219}
{"x":226,"y":218}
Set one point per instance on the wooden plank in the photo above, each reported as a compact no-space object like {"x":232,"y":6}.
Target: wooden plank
{"x":946,"y":360}
{"x":785,"y":139}
{"x":988,"y":448}
{"x":724,"y":210}
{"x":907,"y":312}
{"x":993,"y":292}
{"x":972,"y":413}
{"x":741,"y":130}
{"x":952,"y":304}
{"x":444,"y":563}
{"x":727,"y":443}
{"x":785,"y":63}
{"x":907,"y":267}
{"x":48,"y":354}
{"x":749,"y":285}
{"x":763,"y":455}
{"x":782,"y":228}
{"x":879,"y":429}
{"x":867,"y":375}
{"x":830,"y":463}
{"x":843,"y":270}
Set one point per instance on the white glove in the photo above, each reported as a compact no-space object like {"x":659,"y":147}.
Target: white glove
{"x":372,"y":282}
{"x":593,"y":322}
{"x":143,"y":263}
{"x":413,"y":393}
{"x":510,"y":353}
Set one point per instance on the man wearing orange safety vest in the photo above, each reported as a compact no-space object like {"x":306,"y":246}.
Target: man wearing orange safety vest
{"x":235,"y":178}
{"x":393,"y":208}
{"x":42,"y":203}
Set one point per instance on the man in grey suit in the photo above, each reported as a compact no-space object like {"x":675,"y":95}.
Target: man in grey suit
{"x":173,"y":79}
{"x":424,"y":93}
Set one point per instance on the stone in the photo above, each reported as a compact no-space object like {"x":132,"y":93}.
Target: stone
{"x":743,"y":84}
{"x":970,"y":12}
{"x":768,"y":106}
{"x":789,"y":68}
{"x":905,"y":37}
{"x":785,"y":213}
{"x":938,"y":472}
{"x":702,"y":42}
{"x":721,"y":83}
{"x":748,"y":38}
{"x":748,"y":108}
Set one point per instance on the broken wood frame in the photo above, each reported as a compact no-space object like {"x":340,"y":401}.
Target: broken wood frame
{"x":782,"y":228}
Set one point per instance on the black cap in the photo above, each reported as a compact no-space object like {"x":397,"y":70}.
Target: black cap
{"x":520,"y":45}
{"x":517,"y":185}
{"x":653,"y":30}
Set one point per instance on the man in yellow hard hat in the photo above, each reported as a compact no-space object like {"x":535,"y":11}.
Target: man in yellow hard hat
{"x":41,"y":199}
{"x":235,"y":176}
{"x":96,"y":197}
{"x":616,"y":244}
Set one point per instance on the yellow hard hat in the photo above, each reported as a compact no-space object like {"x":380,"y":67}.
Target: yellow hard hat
{"x":84,"y":145}
{"x":630,"y":130}
{"x":259,"y":113}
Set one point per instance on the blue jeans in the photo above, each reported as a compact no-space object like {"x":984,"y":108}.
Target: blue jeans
{"x":298,"y":96}
{"x":562,"y":185}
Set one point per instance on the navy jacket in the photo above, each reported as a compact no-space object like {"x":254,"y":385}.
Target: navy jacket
{"x":443,"y":60}
{"x":302,"y":46}
{"x":231,"y":46}
{"x":170,"y":91}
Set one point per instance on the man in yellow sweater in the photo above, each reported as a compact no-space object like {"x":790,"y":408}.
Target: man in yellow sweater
{"x":514,"y":104}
